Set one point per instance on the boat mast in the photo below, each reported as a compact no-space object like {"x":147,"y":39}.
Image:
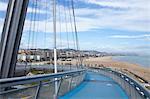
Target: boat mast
{"x":54,"y":30}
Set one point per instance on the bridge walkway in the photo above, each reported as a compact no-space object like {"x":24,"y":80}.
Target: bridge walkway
{"x":96,"y":86}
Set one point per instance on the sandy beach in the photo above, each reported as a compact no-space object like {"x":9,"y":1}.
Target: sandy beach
{"x":131,"y":69}
{"x":136,"y":71}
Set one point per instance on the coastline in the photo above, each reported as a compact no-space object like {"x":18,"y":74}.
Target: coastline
{"x":136,"y":71}
{"x":142,"y":60}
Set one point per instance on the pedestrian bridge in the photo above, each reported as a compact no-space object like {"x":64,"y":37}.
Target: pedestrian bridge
{"x":75,"y":84}
{"x":96,"y":86}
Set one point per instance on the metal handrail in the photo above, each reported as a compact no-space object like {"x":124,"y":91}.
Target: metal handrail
{"x":8,"y":82}
{"x":139,"y":88}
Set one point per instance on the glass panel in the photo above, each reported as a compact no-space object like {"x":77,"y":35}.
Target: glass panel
{"x":64,"y":86}
{"x":28,"y":93}
{"x":75,"y":81}
{"x":47,"y":91}
{"x":69,"y":83}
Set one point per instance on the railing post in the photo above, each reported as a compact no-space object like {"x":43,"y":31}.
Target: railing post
{"x":58,"y":88}
{"x":38,"y":90}
{"x":70,"y":83}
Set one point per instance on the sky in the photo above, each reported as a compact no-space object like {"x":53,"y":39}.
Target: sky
{"x":103,"y":25}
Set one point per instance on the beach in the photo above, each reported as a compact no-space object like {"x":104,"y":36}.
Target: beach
{"x":133,"y":70}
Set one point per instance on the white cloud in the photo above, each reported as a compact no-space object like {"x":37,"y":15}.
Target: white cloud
{"x":135,"y":17}
{"x":120,"y":3}
{"x":134,"y":14}
{"x":110,"y":3}
{"x":1,"y":26}
{"x":3,"y":6}
{"x":131,"y":36}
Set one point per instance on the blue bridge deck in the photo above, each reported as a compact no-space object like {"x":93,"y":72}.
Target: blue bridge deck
{"x":96,"y":86}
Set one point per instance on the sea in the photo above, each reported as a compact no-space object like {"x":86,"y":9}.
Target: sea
{"x":140,"y":60}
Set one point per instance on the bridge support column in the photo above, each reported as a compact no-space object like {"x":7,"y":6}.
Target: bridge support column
{"x":11,"y":36}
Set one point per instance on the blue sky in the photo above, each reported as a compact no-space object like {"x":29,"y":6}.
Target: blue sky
{"x":103,"y":25}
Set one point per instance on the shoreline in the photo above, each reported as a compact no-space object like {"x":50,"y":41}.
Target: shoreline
{"x":133,"y":60}
{"x":138,"y":72}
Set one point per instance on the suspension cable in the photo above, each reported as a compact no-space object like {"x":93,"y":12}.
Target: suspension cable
{"x":45,"y":31}
{"x":71,"y":25}
{"x":60,"y":35}
{"x":37,"y":31}
{"x":29,"y":38}
{"x":60,"y":26}
{"x":76,"y":33}
{"x":34,"y":33}
{"x":34,"y":19}
{"x":66,"y":25}
{"x":72,"y":30}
